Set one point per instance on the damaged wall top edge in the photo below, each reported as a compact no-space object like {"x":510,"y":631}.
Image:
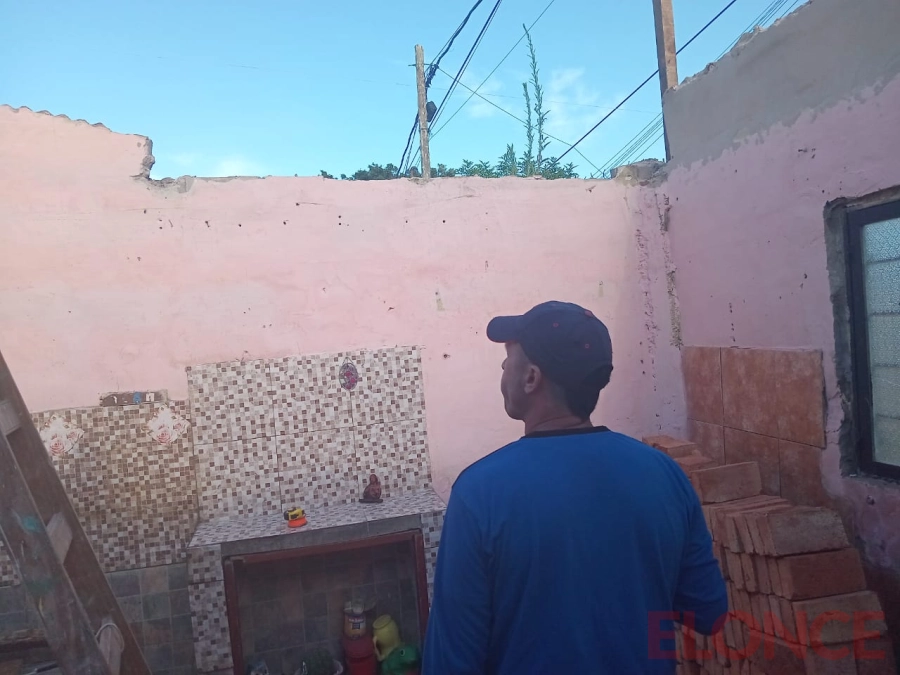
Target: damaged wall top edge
{"x":807,"y":62}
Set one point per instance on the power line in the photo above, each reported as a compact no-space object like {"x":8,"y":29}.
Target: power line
{"x":518,"y":119}
{"x":465,"y":64}
{"x":634,"y":147}
{"x":643,"y":84}
{"x":462,"y":69}
{"x":431,"y":72}
{"x":512,"y":49}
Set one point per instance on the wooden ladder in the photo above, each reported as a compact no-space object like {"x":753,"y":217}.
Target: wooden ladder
{"x":83,"y":623}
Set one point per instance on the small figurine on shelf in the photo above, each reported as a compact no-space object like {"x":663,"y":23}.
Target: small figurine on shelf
{"x":372,"y":493}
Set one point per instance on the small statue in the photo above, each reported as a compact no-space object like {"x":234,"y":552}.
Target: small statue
{"x":372,"y":493}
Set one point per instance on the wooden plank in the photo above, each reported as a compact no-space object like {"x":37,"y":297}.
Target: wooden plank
{"x":9,"y":420}
{"x":60,"y":535}
{"x":111,"y":645}
{"x":664,"y":19}
{"x":66,"y":625}
{"x":423,"y":111}
{"x":50,"y":497}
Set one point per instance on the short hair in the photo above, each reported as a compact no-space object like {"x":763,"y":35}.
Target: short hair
{"x":581,"y":400}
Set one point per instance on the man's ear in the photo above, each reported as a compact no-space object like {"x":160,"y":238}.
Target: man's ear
{"x":533,"y":378}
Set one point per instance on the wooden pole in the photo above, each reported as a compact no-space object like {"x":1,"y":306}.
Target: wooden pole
{"x":423,"y":113}
{"x":665,"y":54}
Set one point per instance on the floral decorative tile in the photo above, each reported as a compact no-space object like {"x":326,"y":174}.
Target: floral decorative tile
{"x":60,"y":437}
{"x":166,"y":426}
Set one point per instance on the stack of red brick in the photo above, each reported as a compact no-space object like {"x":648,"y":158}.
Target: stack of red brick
{"x":797,"y":594}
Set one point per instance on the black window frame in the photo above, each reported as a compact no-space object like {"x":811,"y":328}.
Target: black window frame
{"x":856,"y":220}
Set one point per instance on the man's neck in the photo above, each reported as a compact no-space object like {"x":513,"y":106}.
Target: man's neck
{"x":562,"y":422}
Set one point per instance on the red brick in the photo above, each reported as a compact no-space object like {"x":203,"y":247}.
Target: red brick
{"x":790,"y":621}
{"x":839,"y":618}
{"x":759,"y":606}
{"x":752,"y":522}
{"x":773,"y":655}
{"x":816,"y":575}
{"x":762,"y":574}
{"x":875,"y":657}
{"x":716,"y":513}
{"x":832,"y":660}
{"x":735,"y":569}
{"x":690,"y":464}
{"x":742,"y":531}
{"x":732,"y":537}
{"x":673,"y":447}
{"x":774,"y":620}
{"x":749,"y":573}
{"x":801,"y":529}
{"x":774,"y":576}
{"x":727,"y":483}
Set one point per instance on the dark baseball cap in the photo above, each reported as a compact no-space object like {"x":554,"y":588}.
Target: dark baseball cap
{"x":566,"y":341}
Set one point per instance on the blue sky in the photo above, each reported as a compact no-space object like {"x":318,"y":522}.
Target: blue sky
{"x":284,"y":88}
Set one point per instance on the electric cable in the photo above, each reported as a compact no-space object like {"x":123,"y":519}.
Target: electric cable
{"x":644,"y":83}
{"x":483,"y":82}
{"x":636,"y":145}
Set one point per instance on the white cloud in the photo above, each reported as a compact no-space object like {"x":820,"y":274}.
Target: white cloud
{"x":185,"y":159}
{"x":478,"y":108}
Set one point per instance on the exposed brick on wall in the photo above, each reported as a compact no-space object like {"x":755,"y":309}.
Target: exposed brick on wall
{"x":797,"y":594}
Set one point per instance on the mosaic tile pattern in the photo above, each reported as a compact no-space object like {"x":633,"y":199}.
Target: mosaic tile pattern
{"x":223,"y":530}
{"x":397,"y":452}
{"x":8,"y":574}
{"x":212,"y":644}
{"x":117,"y":467}
{"x":432,"y":525}
{"x":390,"y":387}
{"x":308,"y":395}
{"x":230,"y":401}
{"x":238,"y":478}
{"x":205,"y":564}
{"x":317,"y":468}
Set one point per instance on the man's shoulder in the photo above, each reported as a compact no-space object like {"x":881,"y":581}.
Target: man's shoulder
{"x":491,"y":462}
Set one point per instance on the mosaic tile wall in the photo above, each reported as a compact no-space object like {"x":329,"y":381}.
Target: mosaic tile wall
{"x":273,"y":434}
{"x":155,"y":602}
{"x":131,"y":461}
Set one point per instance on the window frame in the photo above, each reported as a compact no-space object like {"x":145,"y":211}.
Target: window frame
{"x":856,"y":220}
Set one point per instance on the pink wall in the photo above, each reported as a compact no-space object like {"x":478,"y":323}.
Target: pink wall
{"x":112,"y":282}
{"x":747,"y":227}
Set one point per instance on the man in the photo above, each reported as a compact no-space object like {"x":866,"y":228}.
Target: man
{"x":567,"y":550}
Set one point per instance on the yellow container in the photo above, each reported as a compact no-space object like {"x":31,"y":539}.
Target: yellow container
{"x":386,"y":636}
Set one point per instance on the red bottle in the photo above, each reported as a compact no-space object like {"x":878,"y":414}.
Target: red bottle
{"x":360,"y":656}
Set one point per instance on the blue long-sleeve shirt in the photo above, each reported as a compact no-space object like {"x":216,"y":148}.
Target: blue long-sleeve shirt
{"x":567,"y":552}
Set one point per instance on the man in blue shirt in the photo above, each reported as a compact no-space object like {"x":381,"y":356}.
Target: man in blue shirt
{"x":561,"y":551}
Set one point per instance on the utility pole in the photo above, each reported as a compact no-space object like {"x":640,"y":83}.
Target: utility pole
{"x":665,"y":53}
{"x":423,"y":112}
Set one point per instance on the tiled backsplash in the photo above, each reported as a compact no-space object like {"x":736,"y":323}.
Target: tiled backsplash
{"x":762,"y":405}
{"x":117,"y":467}
{"x":253,"y":439}
{"x":274,"y":434}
